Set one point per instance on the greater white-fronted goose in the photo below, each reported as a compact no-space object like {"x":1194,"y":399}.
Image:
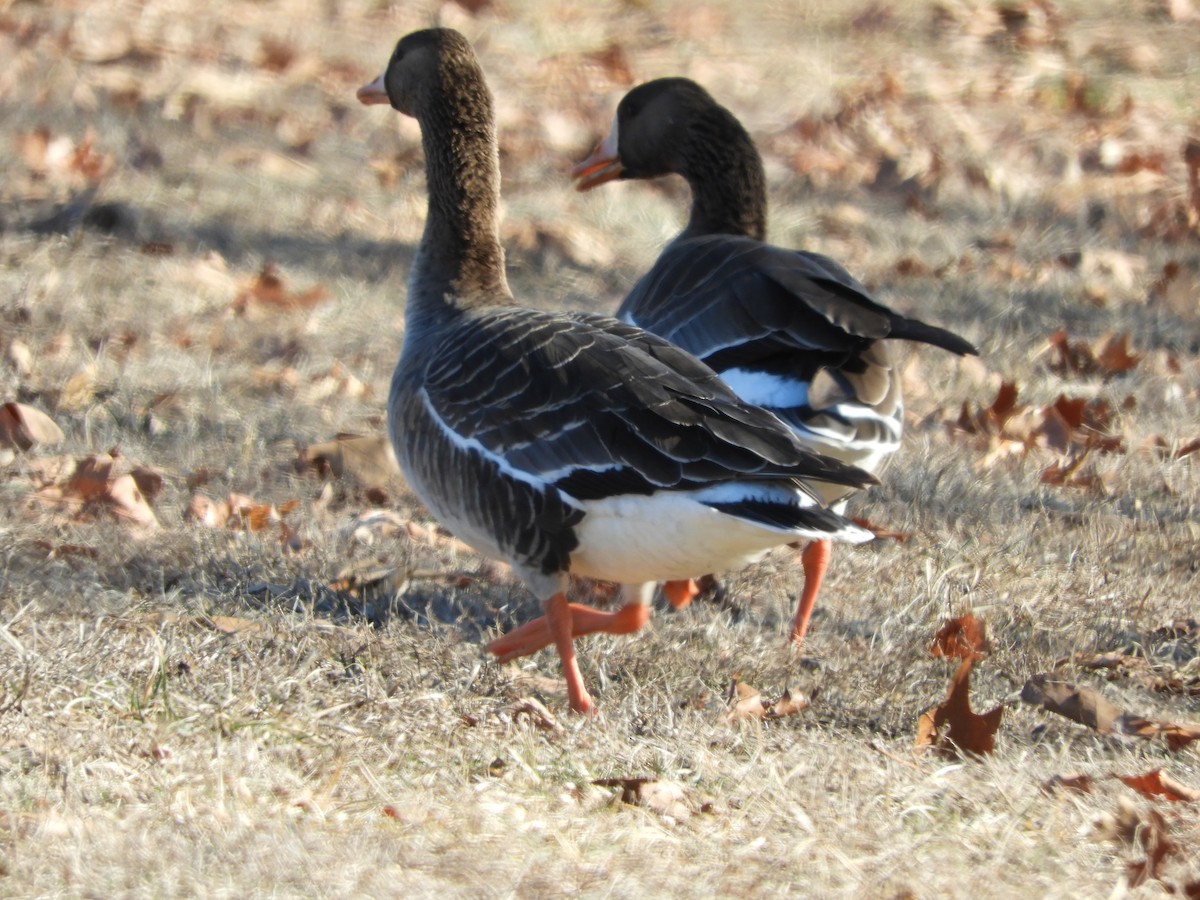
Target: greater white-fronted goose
{"x":567,"y":443}
{"x":788,"y":330}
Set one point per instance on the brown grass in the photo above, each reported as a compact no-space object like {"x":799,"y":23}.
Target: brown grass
{"x":329,"y":744}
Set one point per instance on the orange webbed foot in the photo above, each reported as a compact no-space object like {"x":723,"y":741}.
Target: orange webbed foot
{"x":533,"y":636}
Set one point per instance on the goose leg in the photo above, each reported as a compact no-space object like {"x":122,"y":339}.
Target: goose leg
{"x":680,"y":593}
{"x":558,"y":618}
{"x":533,"y":636}
{"x":816,"y":560}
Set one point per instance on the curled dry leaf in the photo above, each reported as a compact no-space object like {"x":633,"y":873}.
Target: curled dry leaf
{"x":369,"y":461}
{"x":962,"y":638}
{"x":1155,"y":784}
{"x":745,"y":702}
{"x":667,"y":798}
{"x":1145,"y":830}
{"x":267,"y":290}
{"x":1108,"y":356}
{"x":24,"y":427}
{"x":92,"y":489}
{"x":537,"y":713}
{"x":1087,"y":707}
{"x":952,"y":728}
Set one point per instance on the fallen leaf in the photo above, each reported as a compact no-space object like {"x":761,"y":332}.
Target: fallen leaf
{"x":1145,"y":830}
{"x":1155,"y":784}
{"x":952,"y":728}
{"x":667,"y":798}
{"x":267,"y":289}
{"x":537,"y":713}
{"x":1087,"y":707}
{"x":962,"y":638}
{"x":787,"y":705}
{"x":744,"y":702}
{"x":24,"y":427}
{"x":92,"y":488}
{"x":1108,"y":356}
{"x":1082,"y":705}
{"x":369,"y":461}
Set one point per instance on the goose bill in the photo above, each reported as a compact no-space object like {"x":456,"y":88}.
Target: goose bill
{"x":373,"y":94}
{"x":602,"y":166}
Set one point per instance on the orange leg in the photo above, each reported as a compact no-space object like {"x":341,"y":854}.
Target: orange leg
{"x":680,"y":593}
{"x":816,"y":561}
{"x":558,"y":617}
{"x":533,"y":636}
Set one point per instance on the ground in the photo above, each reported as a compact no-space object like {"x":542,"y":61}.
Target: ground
{"x":253,"y":666}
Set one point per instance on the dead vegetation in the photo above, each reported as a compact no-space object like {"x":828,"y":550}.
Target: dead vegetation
{"x":237,"y":658}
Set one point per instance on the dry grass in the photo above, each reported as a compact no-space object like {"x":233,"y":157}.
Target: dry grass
{"x":334,"y":746}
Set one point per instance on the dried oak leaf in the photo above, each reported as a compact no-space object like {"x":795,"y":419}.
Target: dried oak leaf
{"x":23,"y":427}
{"x":744,"y":702}
{"x":1139,"y":829}
{"x":92,"y":489}
{"x":962,"y":638}
{"x":536,"y":712}
{"x":667,"y":798}
{"x":267,"y":289}
{"x":370,"y":461}
{"x":1108,"y":356}
{"x":1087,"y":707}
{"x":1155,"y":784}
{"x":952,"y":728}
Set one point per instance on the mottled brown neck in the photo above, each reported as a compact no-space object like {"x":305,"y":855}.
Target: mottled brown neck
{"x":725,"y":173}
{"x":460,"y":263}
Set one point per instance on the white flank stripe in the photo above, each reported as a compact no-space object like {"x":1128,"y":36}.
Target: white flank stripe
{"x":765,"y":389}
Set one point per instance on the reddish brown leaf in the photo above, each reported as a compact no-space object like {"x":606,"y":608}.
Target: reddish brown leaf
{"x":1179,"y":736}
{"x":1157,"y":845}
{"x":1113,"y":356}
{"x":1155,"y":784}
{"x":962,"y":638}
{"x":1109,"y":356}
{"x":1082,"y":705}
{"x":1188,"y":449}
{"x":952,"y":728}
{"x":1087,"y":707}
{"x":93,"y":489}
{"x":267,"y":289}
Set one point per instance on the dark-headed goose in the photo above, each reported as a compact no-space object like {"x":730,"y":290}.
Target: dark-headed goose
{"x":788,"y":330}
{"x":567,"y":443}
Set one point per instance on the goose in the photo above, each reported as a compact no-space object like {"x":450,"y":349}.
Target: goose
{"x":567,"y":443}
{"x":788,"y":330}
